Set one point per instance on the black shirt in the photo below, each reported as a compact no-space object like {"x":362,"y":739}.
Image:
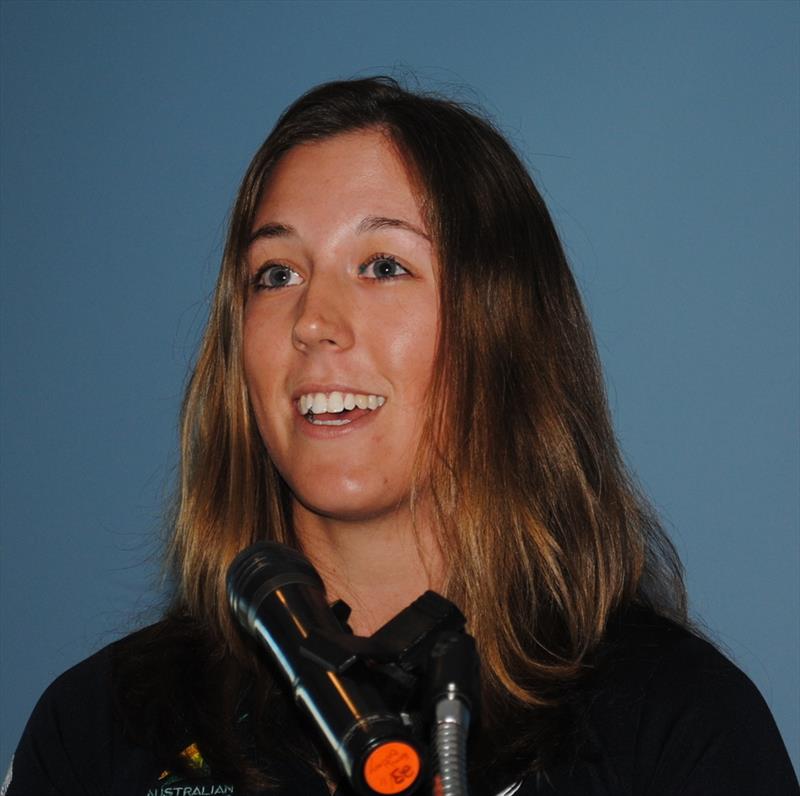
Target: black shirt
{"x":663,"y":713}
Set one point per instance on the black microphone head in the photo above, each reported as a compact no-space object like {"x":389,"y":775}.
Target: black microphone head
{"x":260,"y":569}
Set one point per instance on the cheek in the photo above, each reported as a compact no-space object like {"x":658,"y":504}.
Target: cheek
{"x":254,"y":367}
{"x":411,"y":347}
{"x":261,"y":359}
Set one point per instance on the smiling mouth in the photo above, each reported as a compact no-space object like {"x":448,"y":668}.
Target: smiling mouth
{"x":337,"y":408}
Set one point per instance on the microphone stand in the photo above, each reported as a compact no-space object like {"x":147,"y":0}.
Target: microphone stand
{"x":453,"y":685}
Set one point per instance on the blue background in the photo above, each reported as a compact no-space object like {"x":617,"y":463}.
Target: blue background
{"x":664,"y":137}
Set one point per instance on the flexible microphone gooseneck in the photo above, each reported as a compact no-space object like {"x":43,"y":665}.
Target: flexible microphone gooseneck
{"x":279,"y":598}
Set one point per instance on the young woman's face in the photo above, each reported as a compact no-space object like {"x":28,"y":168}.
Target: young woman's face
{"x":341,"y":324}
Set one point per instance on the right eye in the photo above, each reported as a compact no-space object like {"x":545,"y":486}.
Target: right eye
{"x":271,"y":277}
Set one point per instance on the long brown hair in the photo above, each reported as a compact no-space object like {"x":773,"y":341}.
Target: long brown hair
{"x":543,"y":531}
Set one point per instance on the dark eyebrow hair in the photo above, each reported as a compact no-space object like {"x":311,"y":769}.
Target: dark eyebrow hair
{"x":371,"y":223}
{"x":271,"y":231}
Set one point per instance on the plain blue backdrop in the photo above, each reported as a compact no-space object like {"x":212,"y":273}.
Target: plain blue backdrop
{"x":664,"y":137}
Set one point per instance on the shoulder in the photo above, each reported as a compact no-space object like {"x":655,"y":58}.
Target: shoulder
{"x":72,"y":736}
{"x":84,"y":694}
{"x":75,"y":704}
{"x":676,"y":715}
{"x":646,"y":655}
{"x":68,"y":691}
{"x":667,"y":668}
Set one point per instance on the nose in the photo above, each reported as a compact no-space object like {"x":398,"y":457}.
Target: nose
{"x":324,"y":317}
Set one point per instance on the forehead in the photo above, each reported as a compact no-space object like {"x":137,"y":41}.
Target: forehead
{"x":354,"y":172}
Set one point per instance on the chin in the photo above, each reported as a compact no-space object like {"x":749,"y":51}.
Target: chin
{"x":347,"y":503}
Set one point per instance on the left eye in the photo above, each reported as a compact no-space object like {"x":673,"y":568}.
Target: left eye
{"x":381,"y":267}
{"x":271,"y":277}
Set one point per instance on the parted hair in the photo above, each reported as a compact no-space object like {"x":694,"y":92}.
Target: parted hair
{"x":544,"y":533}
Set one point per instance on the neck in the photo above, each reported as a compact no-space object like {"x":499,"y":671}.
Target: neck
{"x":378,"y":566}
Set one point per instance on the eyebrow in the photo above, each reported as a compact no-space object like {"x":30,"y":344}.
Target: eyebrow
{"x":371,"y":223}
{"x":271,"y":231}
{"x":368,"y":224}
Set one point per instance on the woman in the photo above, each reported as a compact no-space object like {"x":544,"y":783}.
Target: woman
{"x":398,"y":378}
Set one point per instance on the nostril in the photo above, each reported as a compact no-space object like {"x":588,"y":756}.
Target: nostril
{"x":324,"y":332}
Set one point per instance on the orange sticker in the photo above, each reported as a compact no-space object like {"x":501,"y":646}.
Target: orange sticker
{"x":392,"y":767}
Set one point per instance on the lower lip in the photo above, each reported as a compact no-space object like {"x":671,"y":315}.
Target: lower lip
{"x":320,"y":431}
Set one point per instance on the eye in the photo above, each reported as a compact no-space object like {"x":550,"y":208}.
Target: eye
{"x":271,"y":277}
{"x":381,"y":266}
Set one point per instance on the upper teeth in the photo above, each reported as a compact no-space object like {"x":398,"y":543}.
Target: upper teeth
{"x":319,"y":403}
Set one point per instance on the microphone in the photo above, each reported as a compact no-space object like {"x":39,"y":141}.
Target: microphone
{"x":279,"y":598}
